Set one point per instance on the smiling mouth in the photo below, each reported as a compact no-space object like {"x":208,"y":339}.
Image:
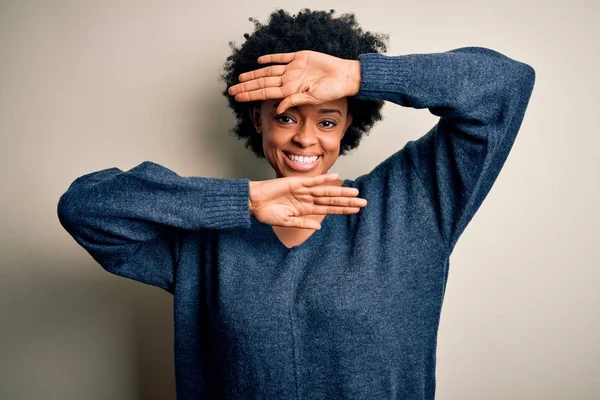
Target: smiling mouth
{"x":300,"y":163}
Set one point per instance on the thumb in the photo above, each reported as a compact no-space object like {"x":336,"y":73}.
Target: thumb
{"x":294,"y":100}
{"x":305,"y":223}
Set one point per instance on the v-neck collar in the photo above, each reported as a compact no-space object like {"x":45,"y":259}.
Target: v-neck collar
{"x":306,"y":243}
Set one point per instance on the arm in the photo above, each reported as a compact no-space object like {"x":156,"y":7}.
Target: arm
{"x":129,"y":222}
{"x":481,"y":97}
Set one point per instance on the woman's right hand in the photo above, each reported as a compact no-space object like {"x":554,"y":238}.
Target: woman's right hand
{"x":288,"y":201}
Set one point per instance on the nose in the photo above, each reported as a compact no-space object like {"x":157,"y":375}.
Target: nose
{"x":305,"y":136}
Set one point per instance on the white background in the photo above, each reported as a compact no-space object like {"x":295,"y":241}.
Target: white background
{"x":91,"y":85}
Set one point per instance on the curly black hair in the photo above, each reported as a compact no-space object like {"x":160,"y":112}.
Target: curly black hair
{"x":308,"y":30}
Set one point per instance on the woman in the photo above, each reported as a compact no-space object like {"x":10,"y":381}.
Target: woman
{"x":295,"y":287}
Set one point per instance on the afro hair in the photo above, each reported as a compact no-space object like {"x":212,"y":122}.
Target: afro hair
{"x":308,"y":30}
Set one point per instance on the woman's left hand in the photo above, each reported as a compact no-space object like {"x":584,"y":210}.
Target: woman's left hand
{"x":308,"y":77}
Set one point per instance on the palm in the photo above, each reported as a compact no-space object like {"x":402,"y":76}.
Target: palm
{"x":278,"y":214}
{"x":308,"y":77}
{"x":314,"y":74}
{"x":284,"y":200}
{"x":288,"y":201}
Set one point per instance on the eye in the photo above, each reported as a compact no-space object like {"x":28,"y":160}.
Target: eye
{"x":328,"y":123}
{"x":284,"y":119}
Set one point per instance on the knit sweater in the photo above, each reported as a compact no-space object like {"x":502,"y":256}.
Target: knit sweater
{"x":353,"y":312}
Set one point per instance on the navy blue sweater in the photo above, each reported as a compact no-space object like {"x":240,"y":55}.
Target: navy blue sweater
{"x":353,"y":312}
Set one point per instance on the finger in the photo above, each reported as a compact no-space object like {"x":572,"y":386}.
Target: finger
{"x":276,"y":58}
{"x":334,"y":210}
{"x":305,"y":223}
{"x":333,"y":191}
{"x":294,"y":100}
{"x":260,"y":83}
{"x":341,"y":201}
{"x":319,"y":179}
{"x":271,"y":70}
{"x":260,"y":94}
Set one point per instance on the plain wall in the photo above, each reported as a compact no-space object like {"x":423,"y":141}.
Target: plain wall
{"x":91,"y":85}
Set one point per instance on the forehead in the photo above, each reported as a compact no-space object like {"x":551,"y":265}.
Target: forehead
{"x":340,"y":104}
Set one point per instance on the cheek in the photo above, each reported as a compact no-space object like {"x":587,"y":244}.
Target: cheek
{"x":272,"y":140}
{"x":331,"y":143}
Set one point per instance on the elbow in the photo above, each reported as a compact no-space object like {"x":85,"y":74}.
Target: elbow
{"x":530,"y":75}
{"x":78,"y":201}
{"x":67,"y":211}
{"x":519,"y":73}
{"x":525,"y":78}
{"x":72,"y":210}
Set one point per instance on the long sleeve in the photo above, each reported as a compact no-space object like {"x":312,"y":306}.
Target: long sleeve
{"x":480,"y":96}
{"x":130,"y":221}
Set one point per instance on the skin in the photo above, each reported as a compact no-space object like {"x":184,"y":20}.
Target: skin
{"x":314,"y":129}
{"x":296,"y":115}
{"x":297,"y":103}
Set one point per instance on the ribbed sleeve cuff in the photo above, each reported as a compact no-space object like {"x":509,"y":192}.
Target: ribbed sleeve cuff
{"x":223,"y":203}
{"x":382,"y":76}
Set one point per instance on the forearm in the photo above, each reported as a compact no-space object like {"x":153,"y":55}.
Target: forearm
{"x":470,"y":85}
{"x":129,"y":206}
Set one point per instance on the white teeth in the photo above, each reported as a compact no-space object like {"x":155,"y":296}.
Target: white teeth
{"x":302,"y":159}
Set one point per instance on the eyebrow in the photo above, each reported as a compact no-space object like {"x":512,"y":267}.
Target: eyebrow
{"x":329,"y":111}
{"x":320,"y":111}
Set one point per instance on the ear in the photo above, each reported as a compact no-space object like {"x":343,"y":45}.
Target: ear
{"x":348,"y":122}
{"x":254,"y":112}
